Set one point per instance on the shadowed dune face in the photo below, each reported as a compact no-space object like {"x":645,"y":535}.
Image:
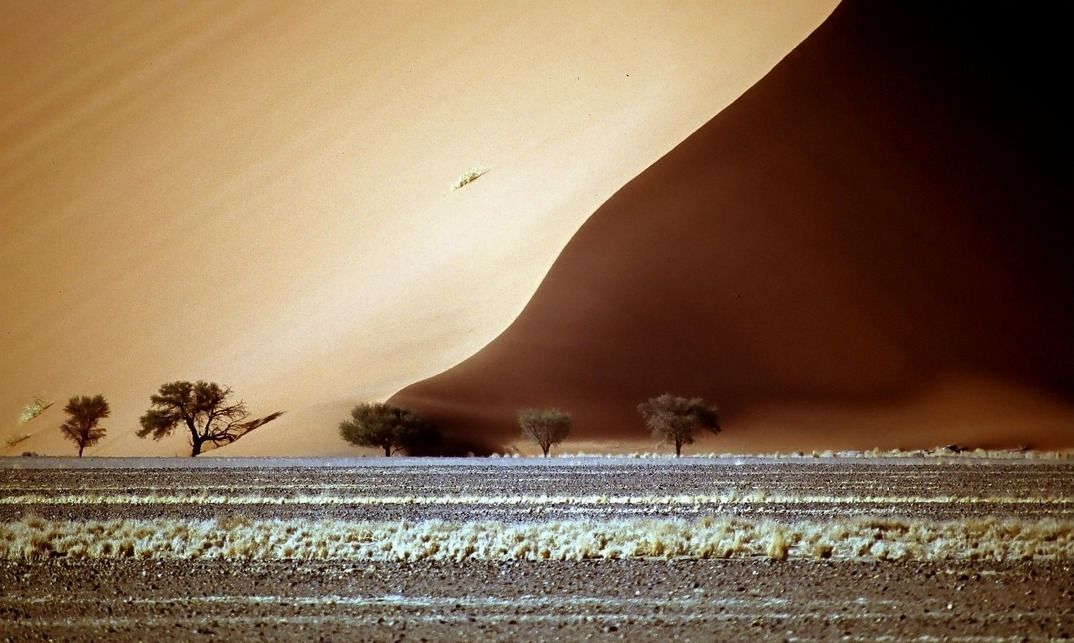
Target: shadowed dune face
{"x":869,"y":248}
{"x":260,"y":194}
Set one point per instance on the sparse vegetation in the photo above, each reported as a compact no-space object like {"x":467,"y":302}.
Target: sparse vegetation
{"x":388,"y":427}
{"x":861,"y":538}
{"x":205,"y":409}
{"x":33,"y":408}
{"x":675,"y":420}
{"x":546,"y":427}
{"x":468,"y":177}
{"x":84,"y":415}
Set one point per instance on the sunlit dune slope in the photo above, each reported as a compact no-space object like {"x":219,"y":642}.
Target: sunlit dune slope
{"x":871,"y":247}
{"x":260,"y":193}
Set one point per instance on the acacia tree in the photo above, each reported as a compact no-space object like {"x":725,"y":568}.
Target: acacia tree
{"x":388,"y":427}
{"x":205,"y":409}
{"x":675,"y":419}
{"x":84,"y":415}
{"x":544,"y":426}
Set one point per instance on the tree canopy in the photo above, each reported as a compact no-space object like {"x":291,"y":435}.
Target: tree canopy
{"x":675,"y":419}
{"x":205,"y":409}
{"x":388,"y":427}
{"x":84,"y":415}
{"x":544,"y":426}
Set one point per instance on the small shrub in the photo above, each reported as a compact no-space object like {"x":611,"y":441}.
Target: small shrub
{"x":468,"y":177}
{"x":33,"y":408}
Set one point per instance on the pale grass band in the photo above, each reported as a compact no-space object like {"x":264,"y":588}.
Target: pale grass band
{"x":242,"y":538}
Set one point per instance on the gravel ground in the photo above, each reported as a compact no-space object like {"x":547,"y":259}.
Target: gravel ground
{"x":634,"y":600}
{"x":898,"y":482}
{"x":619,"y":600}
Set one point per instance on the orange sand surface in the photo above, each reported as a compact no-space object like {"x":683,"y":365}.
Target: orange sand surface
{"x":260,"y":193}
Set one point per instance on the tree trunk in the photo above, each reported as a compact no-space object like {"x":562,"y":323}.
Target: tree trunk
{"x":196,"y":448}
{"x":388,"y":451}
{"x":678,"y":449}
{"x":80,"y":447}
{"x":193,"y":436}
{"x":546,"y":449}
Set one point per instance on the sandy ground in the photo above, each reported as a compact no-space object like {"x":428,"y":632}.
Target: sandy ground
{"x":633,"y":599}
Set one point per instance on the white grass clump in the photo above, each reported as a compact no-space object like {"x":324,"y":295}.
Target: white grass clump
{"x":33,"y":408}
{"x":468,"y":177}
{"x":242,"y":538}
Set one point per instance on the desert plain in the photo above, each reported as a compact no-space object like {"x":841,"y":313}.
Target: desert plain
{"x":699,"y":548}
{"x":844,"y":223}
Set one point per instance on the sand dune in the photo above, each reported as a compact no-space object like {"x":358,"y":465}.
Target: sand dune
{"x":260,"y":193}
{"x":869,"y":248}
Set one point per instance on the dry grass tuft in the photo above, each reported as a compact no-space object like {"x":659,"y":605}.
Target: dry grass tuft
{"x":15,"y":439}
{"x":33,"y":408}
